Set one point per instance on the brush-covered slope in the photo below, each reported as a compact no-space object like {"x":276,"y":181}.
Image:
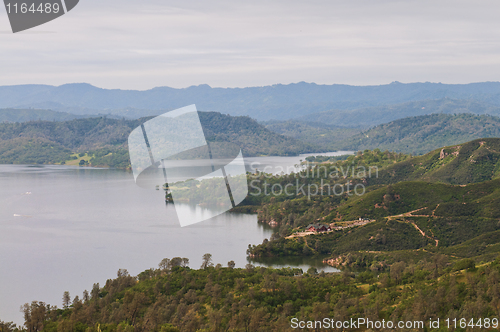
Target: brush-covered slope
{"x":441,"y":199}
{"x":405,"y":216}
{"x":481,"y":200}
{"x":23,"y":150}
{"x":421,"y":134}
{"x":77,"y":135}
{"x":421,"y":287}
{"x":470,"y":162}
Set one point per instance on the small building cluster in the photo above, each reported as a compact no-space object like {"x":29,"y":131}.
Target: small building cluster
{"x":318,"y":228}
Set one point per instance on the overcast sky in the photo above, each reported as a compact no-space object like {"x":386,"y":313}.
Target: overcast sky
{"x":132,"y":44}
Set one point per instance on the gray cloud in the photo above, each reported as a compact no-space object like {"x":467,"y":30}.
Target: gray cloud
{"x":141,"y":44}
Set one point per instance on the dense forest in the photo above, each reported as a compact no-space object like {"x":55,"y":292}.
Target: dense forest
{"x":173,"y":297}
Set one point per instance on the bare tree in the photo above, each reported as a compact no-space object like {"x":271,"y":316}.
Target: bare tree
{"x":86,"y":297}
{"x":185,"y":262}
{"x":35,"y":315}
{"x":76,"y":301}
{"x":8,"y":327}
{"x":207,"y":261}
{"x":66,"y":300}
{"x":164,"y":264}
{"x":122,"y":273}
{"x":95,"y":292}
{"x":176,"y":261}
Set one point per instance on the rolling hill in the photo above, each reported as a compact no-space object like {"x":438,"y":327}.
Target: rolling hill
{"x":462,"y":164}
{"x":447,"y":201}
{"x":105,"y":139}
{"x":416,"y":135}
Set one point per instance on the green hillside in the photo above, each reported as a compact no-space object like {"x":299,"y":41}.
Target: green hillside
{"x":24,"y":150}
{"x":470,"y":162}
{"x":436,"y":201}
{"x":415,"y":288}
{"x":421,"y":134}
{"x":254,"y":138}
{"x":414,"y":134}
{"x":104,"y":141}
{"x":408,"y":216}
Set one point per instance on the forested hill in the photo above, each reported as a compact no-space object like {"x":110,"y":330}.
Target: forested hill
{"x":103,"y":141}
{"x":416,"y":134}
{"x":175,"y":298}
{"x":445,"y":202}
{"x":421,"y":134}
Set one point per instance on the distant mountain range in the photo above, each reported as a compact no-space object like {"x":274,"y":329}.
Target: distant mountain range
{"x":372,"y":116}
{"x":281,"y":102}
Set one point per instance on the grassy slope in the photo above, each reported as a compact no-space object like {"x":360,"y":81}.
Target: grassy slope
{"x":470,"y":162}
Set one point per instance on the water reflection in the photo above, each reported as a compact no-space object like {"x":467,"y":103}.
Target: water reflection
{"x":303,"y":263}
{"x":287,"y":165}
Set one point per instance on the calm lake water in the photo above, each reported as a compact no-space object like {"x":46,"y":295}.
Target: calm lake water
{"x":63,"y":228}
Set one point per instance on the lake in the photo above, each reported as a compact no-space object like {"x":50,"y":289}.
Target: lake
{"x":63,"y":228}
